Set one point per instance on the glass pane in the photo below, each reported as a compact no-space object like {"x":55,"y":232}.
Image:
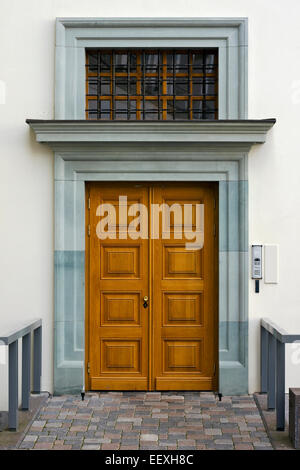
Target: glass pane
{"x":209,"y":63}
{"x":121,"y":109}
{"x":133,"y":62}
{"x":132,"y":88}
{"x":181,"y":109}
{"x":92,"y":86}
{"x":170,"y":63}
{"x":170,"y":110}
{"x":105,"y":109}
{"x":170,"y":88}
{"x":197,"y":109}
{"x":197,"y":87}
{"x":210,"y":110}
{"x":151,"y":63}
{"x":132,"y":107}
{"x":197,"y":63}
{"x":150,"y":87}
{"x":151,"y":110}
{"x":181,"y":63}
{"x":210,"y":88}
{"x":92,"y":109}
{"x":181,"y":86}
{"x":121,"y":62}
{"x":105,"y":87}
{"x":105,"y":61}
{"x":204,"y":110}
{"x":92,"y":61}
{"x":121,"y":86}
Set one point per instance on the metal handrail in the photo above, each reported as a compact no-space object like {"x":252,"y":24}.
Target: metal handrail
{"x":10,"y":338}
{"x":272,"y":370}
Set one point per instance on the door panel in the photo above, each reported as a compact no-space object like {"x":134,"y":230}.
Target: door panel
{"x":117,"y":284}
{"x":170,"y":344}
{"x":184,"y":304}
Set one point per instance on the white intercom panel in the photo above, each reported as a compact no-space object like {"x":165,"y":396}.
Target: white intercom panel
{"x":256,"y":261}
{"x":271,"y":264}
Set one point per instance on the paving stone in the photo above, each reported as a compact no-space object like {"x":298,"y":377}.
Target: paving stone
{"x":149,"y":447}
{"x":244,"y":447}
{"x":110,"y":446}
{"x":26,"y":445}
{"x":30,"y":438}
{"x":38,"y":424}
{"x":62,"y":447}
{"x":76,"y":446}
{"x":43,"y":445}
{"x":213,"y":432}
{"x":91,"y":447}
{"x":152,"y":420}
{"x":130,"y":447}
{"x":223,"y":441}
{"x":149,"y":437}
{"x":220,"y":447}
{"x":46,"y":439}
{"x":99,"y":440}
{"x":262,"y":444}
{"x":126,"y":419}
{"x":53,"y":425}
{"x":186,"y":442}
{"x":167,"y":442}
{"x":78,"y":428}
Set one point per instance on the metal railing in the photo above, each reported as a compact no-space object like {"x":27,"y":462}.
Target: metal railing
{"x":272,"y":371}
{"x":10,"y":339}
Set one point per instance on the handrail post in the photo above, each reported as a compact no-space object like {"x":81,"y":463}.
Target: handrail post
{"x":271,"y":371}
{"x":280,"y":387}
{"x":263,"y":360}
{"x":26,"y":368}
{"x":13,"y":385}
{"x":37,"y":360}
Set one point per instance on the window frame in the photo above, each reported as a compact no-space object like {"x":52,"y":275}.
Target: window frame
{"x":74,"y":35}
{"x":104,"y":82}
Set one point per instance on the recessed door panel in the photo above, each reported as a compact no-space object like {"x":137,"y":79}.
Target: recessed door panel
{"x":120,"y":308}
{"x":120,"y":262}
{"x":181,"y":308}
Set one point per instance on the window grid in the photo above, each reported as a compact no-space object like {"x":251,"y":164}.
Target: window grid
{"x":152,"y":85}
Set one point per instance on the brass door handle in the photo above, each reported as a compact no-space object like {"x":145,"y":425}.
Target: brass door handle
{"x":145,"y":304}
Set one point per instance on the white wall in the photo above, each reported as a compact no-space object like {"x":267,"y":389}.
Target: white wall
{"x":27,"y":35}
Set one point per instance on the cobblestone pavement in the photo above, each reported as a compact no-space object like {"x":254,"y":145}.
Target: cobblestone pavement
{"x":153,"y":420}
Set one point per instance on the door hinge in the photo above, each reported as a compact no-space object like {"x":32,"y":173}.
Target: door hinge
{"x":88,"y":368}
{"x":214,"y":203}
{"x":214,"y":230}
{"x":215,"y":369}
{"x":89,"y":230}
{"x":89,"y":203}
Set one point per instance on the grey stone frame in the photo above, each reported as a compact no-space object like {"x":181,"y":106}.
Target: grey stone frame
{"x":137,"y":151}
{"x":74,"y":35}
{"x":145,"y":151}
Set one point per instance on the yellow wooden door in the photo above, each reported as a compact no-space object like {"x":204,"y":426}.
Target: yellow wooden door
{"x":118,"y":282}
{"x":185,"y":291}
{"x":169,"y":342}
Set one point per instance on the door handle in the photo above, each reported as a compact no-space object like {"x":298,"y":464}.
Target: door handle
{"x":145,"y":304}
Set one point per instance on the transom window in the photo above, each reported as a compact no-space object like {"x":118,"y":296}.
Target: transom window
{"x":152,"y":84}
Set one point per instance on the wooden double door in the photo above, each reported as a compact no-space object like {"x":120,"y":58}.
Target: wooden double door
{"x":151,"y":294}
